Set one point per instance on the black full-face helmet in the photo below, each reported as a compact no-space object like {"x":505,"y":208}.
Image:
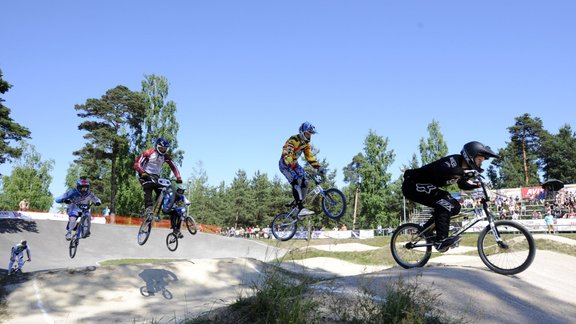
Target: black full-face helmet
{"x":473,"y":149}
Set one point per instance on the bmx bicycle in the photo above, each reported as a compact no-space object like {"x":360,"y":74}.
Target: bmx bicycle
{"x":167,"y":186}
{"x":505,"y":247}
{"x":172,"y":238}
{"x":333,"y":203}
{"x":80,"y":230}
{"x":17,"y":270}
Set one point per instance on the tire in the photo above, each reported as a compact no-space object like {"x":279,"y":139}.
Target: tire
{"x":334,"y":203}
{"x":144,"y":230}
{"x":144,"y":291}
{"x":84,"y":226}
{"x":172,"y":242}
{"x":170,"y":192}
{"x":517,"y":253}
{"x":409,"y":248}
{"x":167,"y":294}
{"x":73,"y":246}
{"x":284,"y":226}
{"x":191,"y":225}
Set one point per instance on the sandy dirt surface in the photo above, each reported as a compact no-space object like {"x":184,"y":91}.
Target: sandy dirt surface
{"x":213,"y":271}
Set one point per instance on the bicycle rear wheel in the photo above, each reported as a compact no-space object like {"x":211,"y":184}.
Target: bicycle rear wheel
{"x":145,"y":229}
{"x":284,"y":226}
{"x":511,"y":256}
{"x":334,"y":203}
{"x":172,"y":242}
{"x":409,"y":248}
{"x":191,"y":225}
{"x":73,"y":246}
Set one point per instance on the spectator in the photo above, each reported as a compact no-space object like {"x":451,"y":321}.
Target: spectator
{"x":549,"y":219}
{"x":344,"y":228}
{"x":24,"y":205}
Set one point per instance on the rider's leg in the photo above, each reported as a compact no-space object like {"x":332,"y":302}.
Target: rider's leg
{"x":21,"y":260}
{"x":148,"y":188}
{"x":180,"y":211}
{"x":446,"y":207}
{"x":71,"y":225}
{"x":294,"y":175}
{"x":12,"y":260}
{"x":173,"y":216}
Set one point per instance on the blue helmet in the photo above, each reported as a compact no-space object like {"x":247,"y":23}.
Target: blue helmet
{"x":162,"y":145}
{"x":83,"y":186}
{"x":306,"y":127}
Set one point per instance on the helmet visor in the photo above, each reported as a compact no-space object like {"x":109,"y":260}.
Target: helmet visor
{"x":162,"y":149}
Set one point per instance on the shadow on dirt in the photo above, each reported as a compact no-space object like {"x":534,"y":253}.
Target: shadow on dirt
{"x":17,"y":226}
{"x":156,"y":282}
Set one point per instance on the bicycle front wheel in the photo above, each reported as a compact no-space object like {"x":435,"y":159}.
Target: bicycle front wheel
{"x":334,"y":203}
{"x":172,"y":242}
{"x":145,"y":229}
{"x":191,"y":225}
{"x":409,"y":248}
{"x":73,"y":246}
{"x":513,"y":254}
{"x":284,"y":226}
{"x":84,"y":227}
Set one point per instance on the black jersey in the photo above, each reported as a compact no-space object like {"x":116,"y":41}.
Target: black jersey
{"x":443,"y":172}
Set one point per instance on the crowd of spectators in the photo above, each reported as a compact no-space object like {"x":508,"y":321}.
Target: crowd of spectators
{"x":561,"y":204}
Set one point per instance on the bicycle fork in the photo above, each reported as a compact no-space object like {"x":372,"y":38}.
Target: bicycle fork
{"x":497,"y":237}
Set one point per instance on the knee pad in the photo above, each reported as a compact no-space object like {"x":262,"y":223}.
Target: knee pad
{"x":448,"y":205}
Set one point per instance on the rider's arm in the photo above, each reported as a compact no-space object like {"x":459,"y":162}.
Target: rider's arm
{"x":67,"y":195}
{"x":310,"y":156}
{"x":28,"y":253}
{"x":141,"y":160}
{"x":95,"y":200}
{"x":465,"y":184}
{"x":173,"y":167}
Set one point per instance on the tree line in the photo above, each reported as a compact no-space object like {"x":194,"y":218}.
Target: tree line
{"x":122,"y":123}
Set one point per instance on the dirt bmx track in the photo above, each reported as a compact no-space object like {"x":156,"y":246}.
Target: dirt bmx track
{"x":214,"y":270}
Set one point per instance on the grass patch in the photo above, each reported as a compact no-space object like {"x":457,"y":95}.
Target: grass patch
{"x":282,"y":298}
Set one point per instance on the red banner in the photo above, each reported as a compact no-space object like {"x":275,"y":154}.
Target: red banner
{"x":531,"y":192}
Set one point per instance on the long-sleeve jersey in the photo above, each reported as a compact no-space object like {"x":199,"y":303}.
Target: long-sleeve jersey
{"x":19,"y":249}
{"x":151,"y":162}
{"x":443,"y":172}
{"x":293,"y":149}
{"x":76,"y":199}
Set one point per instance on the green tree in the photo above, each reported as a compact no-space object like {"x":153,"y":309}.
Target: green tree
{"x":523,"y":149}
{"x":558,"y":155}
{"x":374,"y":191}
{"x":262,"y":195}
{"x":9,"y":129}
{"x":111,"y":123}
{"x":160,"y":118}
{"x":30,"y":179}
{"x":434,"y":147}
{"x":241,"y":201}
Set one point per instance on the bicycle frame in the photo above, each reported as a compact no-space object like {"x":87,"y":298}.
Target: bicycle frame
{"x":80,"y":226}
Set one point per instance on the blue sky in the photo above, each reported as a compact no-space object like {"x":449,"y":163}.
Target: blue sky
{"x":245,"y":74}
